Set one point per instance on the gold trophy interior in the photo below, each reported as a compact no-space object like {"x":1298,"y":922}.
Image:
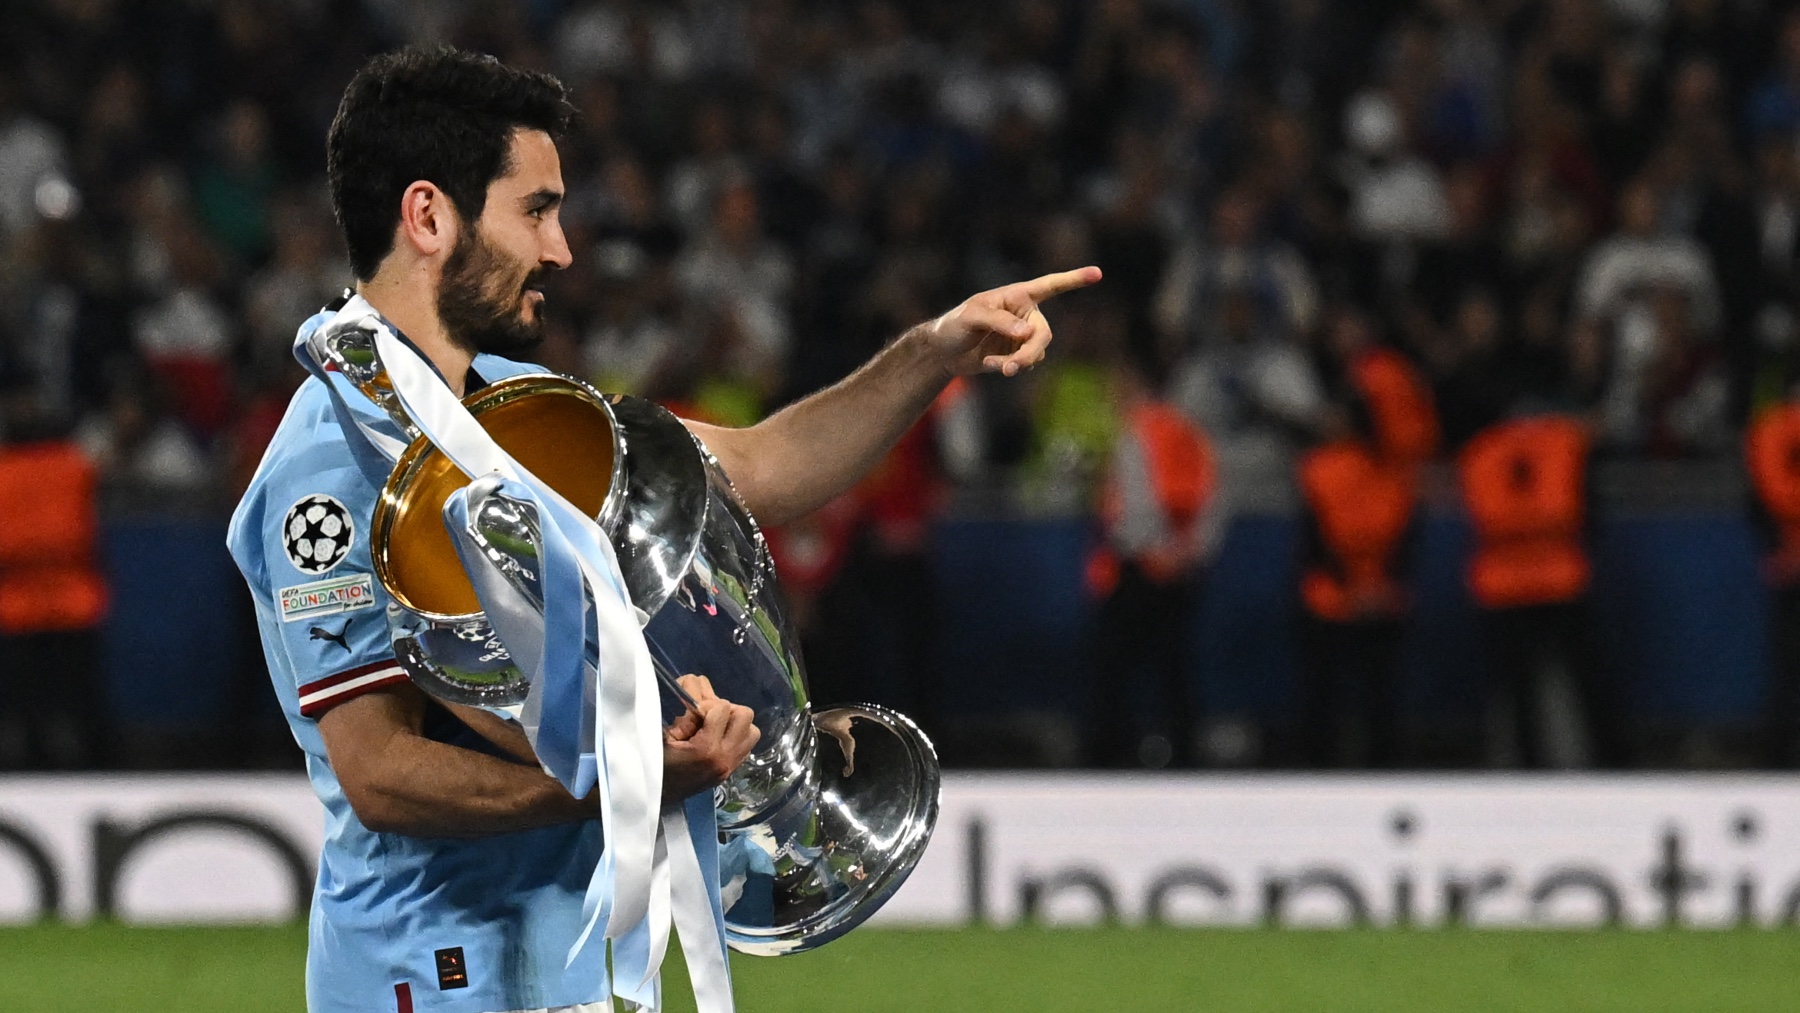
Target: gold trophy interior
{"x":556,"y":429}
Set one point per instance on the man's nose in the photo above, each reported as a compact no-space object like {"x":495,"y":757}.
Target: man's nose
{"x":556,"y":248}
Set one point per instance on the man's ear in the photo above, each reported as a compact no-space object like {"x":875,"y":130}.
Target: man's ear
{"x":428,"y":220}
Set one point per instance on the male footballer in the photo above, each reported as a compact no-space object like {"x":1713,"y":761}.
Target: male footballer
{"x":454,"y":868}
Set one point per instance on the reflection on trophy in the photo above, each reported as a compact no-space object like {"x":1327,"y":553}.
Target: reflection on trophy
{"x":820,"y":829}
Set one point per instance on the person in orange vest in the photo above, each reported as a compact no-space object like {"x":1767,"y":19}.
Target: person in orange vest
{"x":1360,"y":513}
{"x":52,"y":600}
{"x":1772,"y":456}
{"x":1386,"y":397}
{"x":1360,"y":496}
{"x":1159,"y":521}
{"x":1524,"y":484}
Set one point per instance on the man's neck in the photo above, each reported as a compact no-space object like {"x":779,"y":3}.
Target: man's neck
{"x":408,"y":305}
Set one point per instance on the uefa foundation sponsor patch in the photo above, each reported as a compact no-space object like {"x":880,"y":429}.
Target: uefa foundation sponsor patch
{"x":326,"y":597}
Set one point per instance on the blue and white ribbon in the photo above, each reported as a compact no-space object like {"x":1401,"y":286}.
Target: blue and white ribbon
{"x":593,"y":716}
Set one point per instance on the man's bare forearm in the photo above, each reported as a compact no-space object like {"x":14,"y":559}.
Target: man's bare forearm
{"x":398,"y":781}
{"x":803,"y":456}
{"x":433,"y":789}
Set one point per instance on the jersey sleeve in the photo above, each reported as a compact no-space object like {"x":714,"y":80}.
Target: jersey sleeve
{"x":324,"y":611}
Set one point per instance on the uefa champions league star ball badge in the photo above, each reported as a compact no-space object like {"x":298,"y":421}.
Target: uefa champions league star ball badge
{"x":317,"y":534}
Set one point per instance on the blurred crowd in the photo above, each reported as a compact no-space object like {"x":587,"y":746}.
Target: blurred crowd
{"x":1587,"y":207}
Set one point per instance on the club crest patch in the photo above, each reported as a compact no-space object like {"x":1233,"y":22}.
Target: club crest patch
{"x":327,"y":598}
{"x":317,"y":534}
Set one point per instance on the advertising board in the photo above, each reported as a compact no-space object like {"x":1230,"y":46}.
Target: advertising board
{"x":1322,"y":850}
{"x":1480,"y":850}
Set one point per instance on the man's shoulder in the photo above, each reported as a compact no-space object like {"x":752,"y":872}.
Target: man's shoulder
{"x":309,"y":456}
{"x":310,"y":443}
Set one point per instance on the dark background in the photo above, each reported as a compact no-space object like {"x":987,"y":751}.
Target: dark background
{"x":763,"y":192}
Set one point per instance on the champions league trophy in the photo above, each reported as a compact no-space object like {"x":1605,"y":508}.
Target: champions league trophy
{"x":819,"y":830}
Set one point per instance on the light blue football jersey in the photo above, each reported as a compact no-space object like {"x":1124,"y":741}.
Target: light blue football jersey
{"x":398,"y":923}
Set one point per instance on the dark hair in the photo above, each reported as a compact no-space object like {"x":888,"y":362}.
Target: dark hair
{"x":441,"y":115}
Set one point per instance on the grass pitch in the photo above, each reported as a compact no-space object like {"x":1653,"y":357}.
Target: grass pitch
{"x":203,"y":970}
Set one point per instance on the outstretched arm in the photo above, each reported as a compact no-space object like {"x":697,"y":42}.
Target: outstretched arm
{"x":804,"y":455}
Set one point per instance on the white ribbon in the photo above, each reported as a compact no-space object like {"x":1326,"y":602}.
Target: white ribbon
{"x":650,"y":872}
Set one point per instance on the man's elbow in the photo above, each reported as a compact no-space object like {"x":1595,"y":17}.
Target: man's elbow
{"x":744,"y":455}
{"x":375,"y":790}
{"x":368,"y":743}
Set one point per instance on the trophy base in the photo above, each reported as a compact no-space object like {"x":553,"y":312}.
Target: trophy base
{"x":820,"y":870}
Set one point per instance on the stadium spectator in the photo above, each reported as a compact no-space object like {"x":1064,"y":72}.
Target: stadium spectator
{"x":1425,"y":290}
{"x":1723,"y":33}
{"x":742,"y":281}
{"x":233,"y":187}
{"x":1159,"y":526}
{"x":1650,"y":298}
{"x":1451,"y":106}
{"x":54,"y":323}
{"x":305,"y":272}
{"x":1675,"y":403}
{"x":1252,"y":389}
{"x":1131,"y":216}
{"x":1624,"y":128}
{"x":1759,"y":279}
{"x":139,"y":447}
{"x":1641,"y":257}
{"x":632,"y":340}
{"x":1234,"y":256}
{"x":187,"y":336}
{"x":32,"y":152}
{"x":1772,"y":457}
{"x":990,"y":75}
{"x":1524,"y":483}
{"x":53,"y":597}
{"x":114,"y":136}
{"x":1774,"y":105}
{"x":1487,"y":368}
{"x":1359,"y":509}
{"x":697,"y":182}
{"x":1359,"y":495}
{"x":1395,"y":194}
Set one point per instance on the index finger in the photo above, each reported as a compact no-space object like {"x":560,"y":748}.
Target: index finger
{"x":1039,"y":289}
{"x":715,"y":718}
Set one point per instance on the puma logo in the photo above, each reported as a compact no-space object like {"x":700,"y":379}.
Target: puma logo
{"x":320,"y":633}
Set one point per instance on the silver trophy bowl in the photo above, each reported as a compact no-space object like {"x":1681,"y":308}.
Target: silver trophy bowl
{"x":832,"y":810}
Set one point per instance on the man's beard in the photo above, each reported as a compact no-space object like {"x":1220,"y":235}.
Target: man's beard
{"x":482,"y":306}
